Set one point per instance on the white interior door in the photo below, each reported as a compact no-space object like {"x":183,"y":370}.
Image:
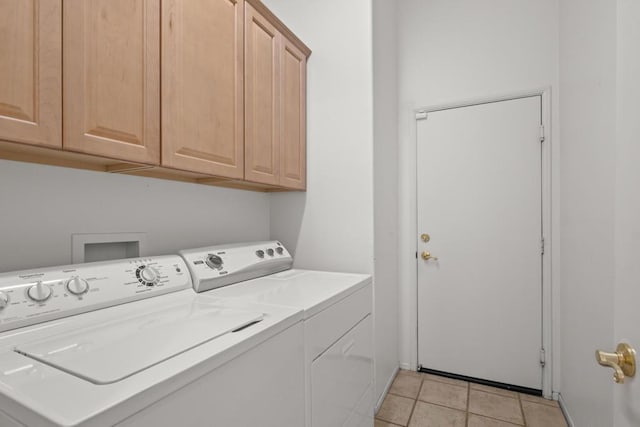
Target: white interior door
{"x":479,"y":200}
{"x":626,"y":400}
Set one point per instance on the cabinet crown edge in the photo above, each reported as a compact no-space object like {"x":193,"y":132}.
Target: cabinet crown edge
{"x":280,"y":26}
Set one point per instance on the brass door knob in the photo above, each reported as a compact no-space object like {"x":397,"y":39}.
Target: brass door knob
{"x":623,"y":361}
{"x":425,"y":237}
{"x":426,"y":255}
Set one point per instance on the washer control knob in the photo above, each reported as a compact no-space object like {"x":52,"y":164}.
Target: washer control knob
{"x":279,"y":250}
{"x":77,"y":286}
{"x":214,"y":261}
{"x":148,"y":275}
{"x":270,"y":252}
{"x":4,"y":300}
{"x":260,"y":253}
{"x":39,"y":292}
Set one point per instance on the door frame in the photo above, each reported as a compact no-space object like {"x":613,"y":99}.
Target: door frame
{"x":549,"y":217}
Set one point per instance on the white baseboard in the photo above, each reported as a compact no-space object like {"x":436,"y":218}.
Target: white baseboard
{"x":405,"y":366}
{"x":386,"y":390}
{"x":565,"y":411}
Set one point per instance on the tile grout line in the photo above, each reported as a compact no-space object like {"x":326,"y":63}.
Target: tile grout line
{"x":387,"y":422}
{"x":468,"y":398}
{"x":445,"y":382}
{"x":496,"y":419}
{"x":496,"y":393}
{"x":522,"y":410}
{"x":401,"y":396}
{"x":500,"y":419}
{"x":467,"y":385}
{"x":442,"y":406}
{"x":415,"y":401}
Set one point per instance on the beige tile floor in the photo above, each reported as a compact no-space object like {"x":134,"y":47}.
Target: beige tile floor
{"x":423,"y":400}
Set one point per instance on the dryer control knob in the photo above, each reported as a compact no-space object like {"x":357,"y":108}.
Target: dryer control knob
{"x":214,"y":261}
{"x":4,"y":300}
{"x":77,"y":286}
{"x":39,"y":292}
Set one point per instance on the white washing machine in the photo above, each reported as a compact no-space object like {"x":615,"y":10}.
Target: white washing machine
{"x":337,"y":321}
{"x":129,"y":343}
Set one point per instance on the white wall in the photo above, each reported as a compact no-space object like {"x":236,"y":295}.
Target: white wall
{"x":41,"y":206}
{"x":385,"y":183}
{"x":453,"y":51}
{"x":331,"y":225}
{"x":588,"y":133}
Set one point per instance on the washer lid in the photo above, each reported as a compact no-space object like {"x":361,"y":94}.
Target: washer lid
{"x":112,"y":351}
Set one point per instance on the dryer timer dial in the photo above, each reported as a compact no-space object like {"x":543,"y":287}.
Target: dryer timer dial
{"x":214,"y":261}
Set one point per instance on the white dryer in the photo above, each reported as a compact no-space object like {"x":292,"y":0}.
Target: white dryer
{"x":337,"y":321}
{"x":129,"y":343}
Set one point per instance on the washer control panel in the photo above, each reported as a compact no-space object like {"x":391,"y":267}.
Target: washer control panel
{"x":216,"y":266}
{"x":33,"y":296}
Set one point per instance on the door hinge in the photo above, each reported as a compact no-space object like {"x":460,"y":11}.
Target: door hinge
{"x":543,"y":357}
{"x":542,"y":246}
{"x":421,"y":115}
{"x":416,"y":255}
{"x":541,"y":133}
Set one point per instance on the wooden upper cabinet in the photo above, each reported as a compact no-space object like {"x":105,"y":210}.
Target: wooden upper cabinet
{"x":275,"y":100}
{"x":202,"y":90}
{"x":31,"y":71}
{"x":262,"y":99}
{"x":293,"y":79}
{"x":202,"y":86}
{"x":111,"y":78}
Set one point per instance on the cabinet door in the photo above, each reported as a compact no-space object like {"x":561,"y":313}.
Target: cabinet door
{"x":111,"y":78}
{"x":262,"y":119}
{"x":293,"y":116}
{"x":31,"y":71}
{"x":202,"y":86}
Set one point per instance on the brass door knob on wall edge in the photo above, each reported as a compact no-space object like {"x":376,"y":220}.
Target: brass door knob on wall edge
{"x":623,"y":361}
{"x":427,"y":256}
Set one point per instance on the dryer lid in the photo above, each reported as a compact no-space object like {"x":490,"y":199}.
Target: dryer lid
{"x":113,"y":351}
